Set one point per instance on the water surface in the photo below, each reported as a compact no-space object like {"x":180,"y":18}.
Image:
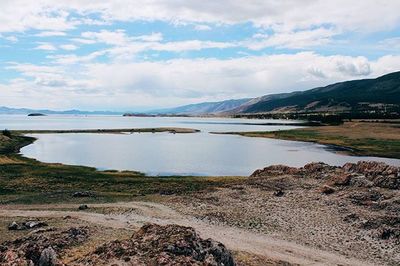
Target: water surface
{"x":172,"y":154}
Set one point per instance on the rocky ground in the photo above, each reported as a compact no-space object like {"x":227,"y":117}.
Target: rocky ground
{"x":352,"y":210}
{"x":313,"y":215}
{"x":150,"y":245}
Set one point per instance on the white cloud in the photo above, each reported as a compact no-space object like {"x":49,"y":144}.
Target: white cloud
{"x":84,"y":41}
{"x":297,"y":39}
{"x":390,"y":44}
{"x":360,"y":15}
{"x":117,"y":37}
{"x":46,"y":47}
{"x":11,"y":38}
{"x":179,"y":81}
{"x":50,"y":33}
{"x":153,"y":37}
{"x":68,"y":47}
{"x":124,"y":46}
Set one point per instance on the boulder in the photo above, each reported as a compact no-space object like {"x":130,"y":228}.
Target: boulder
{"x":341,"y":179}
{"x":381,"y":174}
{"x":327,"y":190}
{"x":82,"y":194}
{"x":41,"y":248}
{"x":274,"y":170}
{"x":14,"y":226}
{"x":26,"y":225}
{"x":48,"y":257}
{"x":161,"y":245}
{"x":83,"y":207}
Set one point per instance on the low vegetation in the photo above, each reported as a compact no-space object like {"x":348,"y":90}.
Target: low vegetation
{"x":356,"y":138}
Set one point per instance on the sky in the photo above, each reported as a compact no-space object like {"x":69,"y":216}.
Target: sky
{"x":125,"y":55}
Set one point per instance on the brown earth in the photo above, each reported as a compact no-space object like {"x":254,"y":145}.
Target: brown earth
{"x":279,"y":216}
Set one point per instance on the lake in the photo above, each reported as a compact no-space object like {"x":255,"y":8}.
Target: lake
{"x":170,"y":154}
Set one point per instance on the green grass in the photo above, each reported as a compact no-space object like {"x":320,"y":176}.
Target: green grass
{"x":13,"y":144}
{"x":29,"y":181}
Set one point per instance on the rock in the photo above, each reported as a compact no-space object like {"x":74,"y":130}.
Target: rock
{"x":351,"y":218}
{"x":279,"y":193}
{"x":386,"y":233}
{"x":34,"y":248}
{"x":365,"y":197}
{"x":14,"y":226}
{"x":327,"y":190}
{"x":274,"y":170}
{"x":362,"y":174}
{"x":381,"y":174}
{"x":83,"y":207}
{"x":82,"y":194}
{"x":26,"y":225}
{"x":35,"y":224}
{"x":48,"y":257}
{"x":317,"y":170}
{"x":341,"y":179}
{"x":162,"y":245}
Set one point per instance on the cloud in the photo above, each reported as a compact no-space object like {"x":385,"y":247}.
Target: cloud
{"x":124,"y":46}
{"x":111,"y":71}
{"x":366,"y":15}
{"x":392,"y":44}
{"x":68,"y":47}
{"x":357,"y":67}
{"x":46,"y":47}
{"x":117,"y":37}
{"x":153,"y":37}
{"x":292,"y":39}
{"x":50,"y":33}
{"x":11,"y":38}
{"x":179,"y":81}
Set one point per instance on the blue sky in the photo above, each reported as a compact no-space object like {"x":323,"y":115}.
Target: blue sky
{"x":138,"y":55}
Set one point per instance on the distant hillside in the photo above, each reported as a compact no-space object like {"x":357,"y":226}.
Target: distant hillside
{"x":25,"y":111}
{"x":204,"y":108}
{"x":367,"y":95}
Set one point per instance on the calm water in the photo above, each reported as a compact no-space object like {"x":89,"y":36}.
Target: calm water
{"x":167,"y":154}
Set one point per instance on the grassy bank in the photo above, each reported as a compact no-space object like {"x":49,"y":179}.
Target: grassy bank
{"x":24,"y":180}
{"x":358,"y":138}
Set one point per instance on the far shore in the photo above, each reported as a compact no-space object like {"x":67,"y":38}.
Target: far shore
{"x":361,"y":138}
{"x":114,"y":130}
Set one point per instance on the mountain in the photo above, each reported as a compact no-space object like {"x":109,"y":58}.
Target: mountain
{"x":204,"y":108}
{"x":25,"y":111}
{"x":367,"y":96}
{"x":382,"y":93}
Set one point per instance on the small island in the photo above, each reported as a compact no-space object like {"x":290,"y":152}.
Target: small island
{"x":36,"y":114}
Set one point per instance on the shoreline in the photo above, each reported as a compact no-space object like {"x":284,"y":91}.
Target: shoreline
{"x":351,"y":138}
{"x":112,"y":130}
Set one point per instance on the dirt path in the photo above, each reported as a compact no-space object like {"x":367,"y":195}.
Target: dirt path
{"x":135,"y":214}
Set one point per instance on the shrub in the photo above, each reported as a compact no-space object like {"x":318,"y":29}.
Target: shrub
{"x":7,"y":133}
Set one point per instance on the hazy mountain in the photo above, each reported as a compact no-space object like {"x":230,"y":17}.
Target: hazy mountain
{"x":205,"y":108}
{"x":26,"y":111}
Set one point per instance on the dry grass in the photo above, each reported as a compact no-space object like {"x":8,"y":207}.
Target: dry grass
{"x":357,"y":130}
{"x":360,"y":138}
{"x":9,"y":160}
